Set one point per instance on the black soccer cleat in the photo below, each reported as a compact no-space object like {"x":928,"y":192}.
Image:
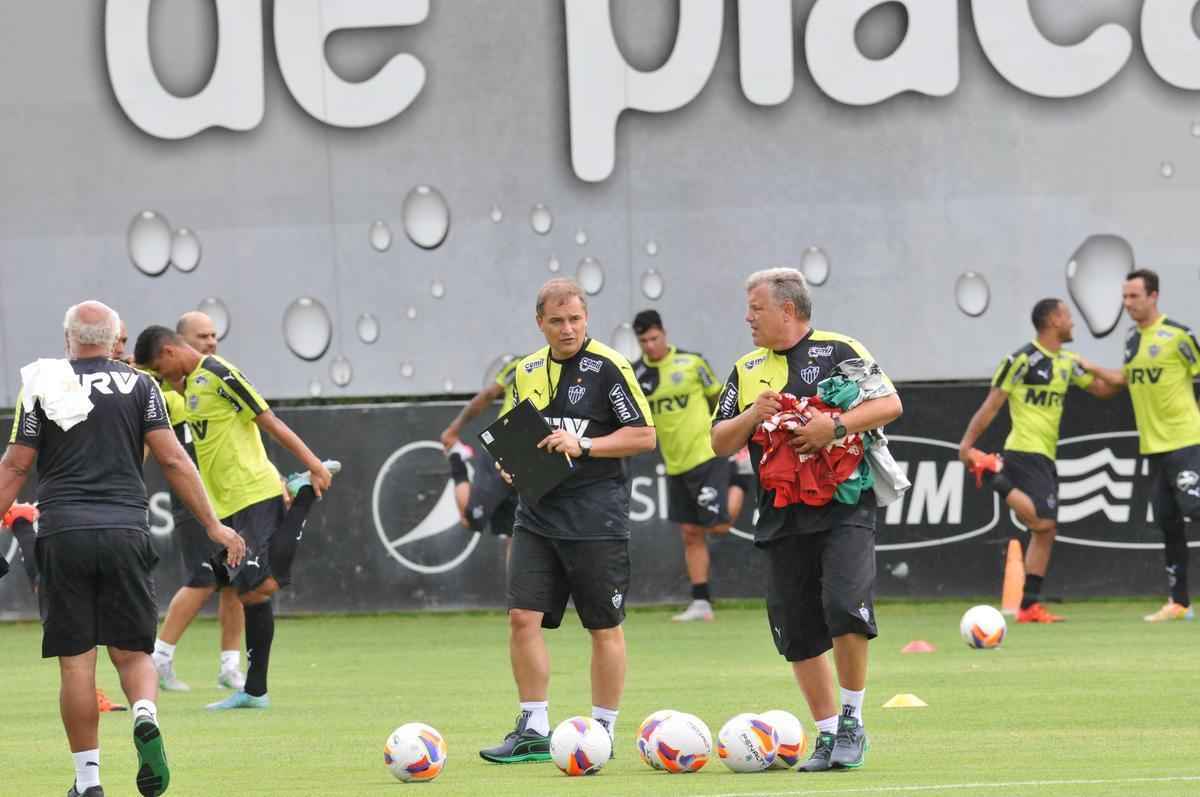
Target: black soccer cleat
{"x":520,"y":745}
{"x":850,"y":748}
{"x":819,"y":761}
{"x":94,"y":791}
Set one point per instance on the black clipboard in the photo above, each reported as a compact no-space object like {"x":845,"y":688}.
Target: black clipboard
{"x":512,"y":441}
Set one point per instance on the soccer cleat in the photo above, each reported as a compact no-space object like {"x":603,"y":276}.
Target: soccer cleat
{"x":1037,"y":613}
{"x":520,"y":745}
{"x":17,"y":512}
{"x":240,"y":699}
{"x":819,"y":761}
{"x":94,"y":791}
{"x":1171,"y":611}
{"x":166,"y":676}
{"x":981,"y":463}
{"x":104,"y":704}
{"x":696,"y":610}
{"x":153,"y":774}
{"x":850,"y":747}
{"x":232,"y":678}
{"x":298,"y":481}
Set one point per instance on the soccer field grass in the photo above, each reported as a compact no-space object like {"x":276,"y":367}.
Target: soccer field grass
{"x":1104,"y":704}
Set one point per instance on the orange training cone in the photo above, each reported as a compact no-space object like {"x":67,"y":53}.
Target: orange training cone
{"x":1014,"y":579}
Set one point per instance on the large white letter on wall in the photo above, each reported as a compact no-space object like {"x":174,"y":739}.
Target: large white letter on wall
{"x":601,"y":84}
{"x":1170,"y":42}
{"x":1019,"y":51}
{"x":926,"y":61}
{"x":301,"y":28}
{"x":765,"y":50}
{"x":233,"y":97}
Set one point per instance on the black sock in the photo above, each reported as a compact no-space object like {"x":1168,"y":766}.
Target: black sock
{"x":458,"y":469}
{"x":286,"y":538}
{"x":260,"y":632}
{"x":700,"y":592}
{"x":1033,"y":590}
{"x":23,"y":530}
{"x":1176,"y":552}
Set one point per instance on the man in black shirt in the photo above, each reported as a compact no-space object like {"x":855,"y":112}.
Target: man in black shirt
{"x":574,"y":542}
{"x":93,"y":549}
{"x":821,"y":559}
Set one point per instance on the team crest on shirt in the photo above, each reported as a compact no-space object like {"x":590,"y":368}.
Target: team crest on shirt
{"x":200,"y":379}
{"x":193,"y":401}
{"x":677,"y":377}
{"x":1154,"y":350}
{"x":575,"y":393}
{"x":810,"y":374}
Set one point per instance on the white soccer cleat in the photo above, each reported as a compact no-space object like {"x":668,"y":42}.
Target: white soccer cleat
{"x":696,"y":610}
{"x":232,"y":678}
{"x":166,"y":676}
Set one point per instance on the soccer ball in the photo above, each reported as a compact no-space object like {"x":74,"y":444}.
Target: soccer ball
{"x":415,"y":752}
{"x":982,"y":627}
{"x":681,"y":743}
{"x":645,"y":730}
{"x":792,"y":741}
{"x":580,"y":746}
{"x":747,"y":743}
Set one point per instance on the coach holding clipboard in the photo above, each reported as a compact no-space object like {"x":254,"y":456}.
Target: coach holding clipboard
{"x":574,"y":541}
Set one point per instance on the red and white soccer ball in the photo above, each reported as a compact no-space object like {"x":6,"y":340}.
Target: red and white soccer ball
{"x":415,"y":752}
{"x":645,"y":731}
{"x":792,"y":741}
{"x":982,"y":627}
{"x":747,"y":743}
{"x":681,"y":743}
{"x":580,"y":746}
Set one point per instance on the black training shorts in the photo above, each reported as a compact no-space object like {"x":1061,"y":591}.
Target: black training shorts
{"x":96,"y":587}
{"x":197,"y":551}
{"x":1175,"y":485}
{"x":256,"y":523}
{"x":700,"y":496}
{"x":820,"y":586}
{"x":1035,"y":475}
{"x":544,"y":572}
{"x":492,"y":501}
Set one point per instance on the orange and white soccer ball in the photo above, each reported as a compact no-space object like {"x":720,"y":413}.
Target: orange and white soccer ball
{"x":792,"y":741}
{"x":580,"y":746}
{"x":747,"y":743}
{"x":645,"y":731}
{"x":415,"y":752}
{"x":982,"y":627}
{"x":681,"y":743}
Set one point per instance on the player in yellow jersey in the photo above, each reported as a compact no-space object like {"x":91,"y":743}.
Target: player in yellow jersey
{"x":1162,"y":359}
{"x":682,"y":392}
{"x":226,"y":415}
{"x":483,"y":499}
{"x":1033,"y":381}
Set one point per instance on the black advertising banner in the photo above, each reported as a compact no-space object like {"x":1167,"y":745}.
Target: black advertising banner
{"x":387,"y":536}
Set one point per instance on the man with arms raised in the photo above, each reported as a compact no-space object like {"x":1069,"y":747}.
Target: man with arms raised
{"x":820,"y":559}
{"x":574,"y":542}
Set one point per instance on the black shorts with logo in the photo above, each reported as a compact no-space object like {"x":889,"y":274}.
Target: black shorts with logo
{"x":820,"y":586}
{"x":700,"y":496}
{"x":492,"y":501}
{"x":256,"y":523}
{"x":544,"y":572}
{"x":1035,"y":475}
{"x":96,"y":587}
{"x":197,"y":551}
{"x":1175,"y":485}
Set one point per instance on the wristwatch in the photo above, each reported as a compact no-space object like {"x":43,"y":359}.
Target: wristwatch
{"x":839,"y":431}
{"x":585,"y":447}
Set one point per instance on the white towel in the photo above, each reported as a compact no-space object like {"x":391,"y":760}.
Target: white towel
{"x":55,"y":385}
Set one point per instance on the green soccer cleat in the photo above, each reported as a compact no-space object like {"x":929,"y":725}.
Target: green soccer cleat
{"x":521,"y":745}
{"x":298,"y":481}
{"x":240,"y":699}
{"x":850,"y":748}
{"x":153,"y":774}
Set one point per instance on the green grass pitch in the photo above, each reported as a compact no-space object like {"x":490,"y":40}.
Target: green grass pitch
{"x":1104,"y":704}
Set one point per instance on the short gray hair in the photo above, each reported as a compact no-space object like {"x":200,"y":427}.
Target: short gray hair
{"x":103,"y":332}
{"x":787,"y":285}
{"x":559,"y":289}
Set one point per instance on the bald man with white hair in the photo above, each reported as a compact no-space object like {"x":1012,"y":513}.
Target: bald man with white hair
{"x":94,"y":551}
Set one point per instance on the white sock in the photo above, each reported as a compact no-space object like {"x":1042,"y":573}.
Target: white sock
{"x":828,"y":725}
{"x":539,"y":716}
{"x":87,"y":769}
{"x":230,"y":659}
{"x":145,"y":707}
{"x":852,"y":703}
{"x":163,"y":651}
{"x":609,"y":717}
